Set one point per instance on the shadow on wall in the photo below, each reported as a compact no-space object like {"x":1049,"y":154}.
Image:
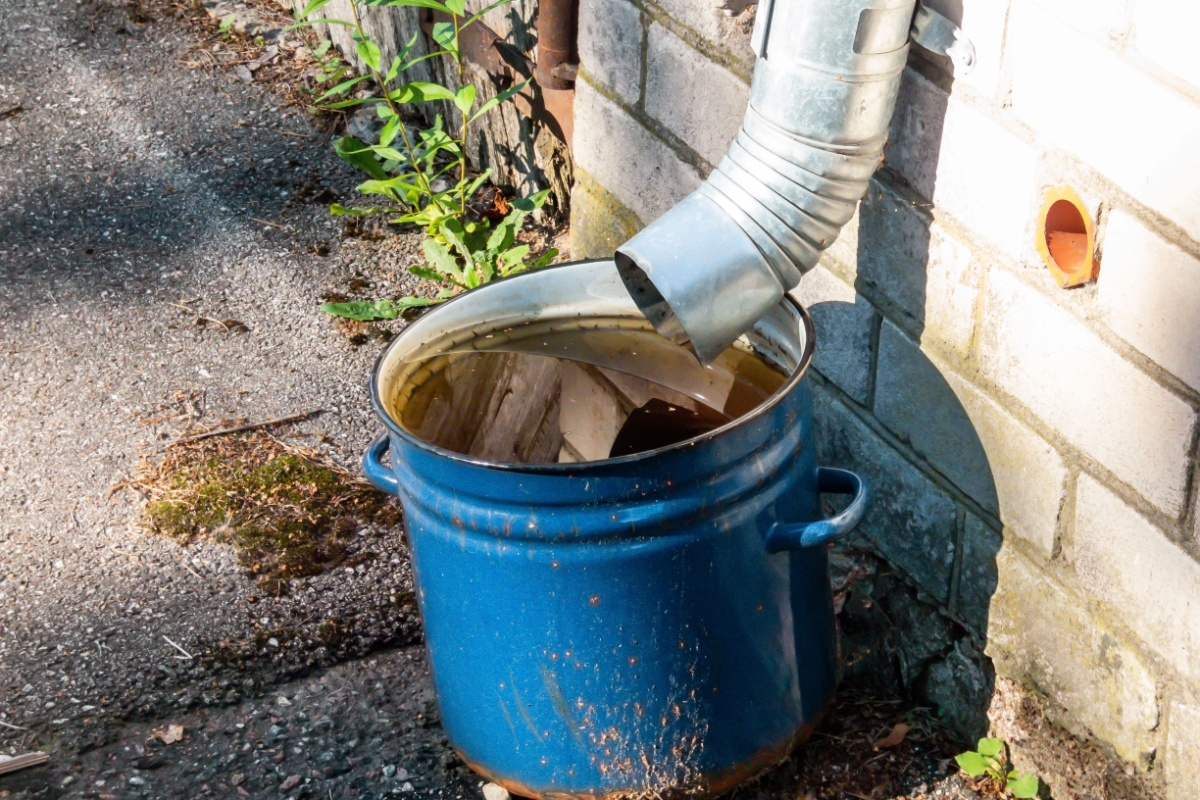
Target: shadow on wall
{"x":917,"y":621}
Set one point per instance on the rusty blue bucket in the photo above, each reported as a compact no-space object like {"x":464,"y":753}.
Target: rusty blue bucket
{"x":645,"y":625}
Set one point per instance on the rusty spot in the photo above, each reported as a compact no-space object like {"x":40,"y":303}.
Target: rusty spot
{"x":694,"y":787}
{"x":594,"y":600}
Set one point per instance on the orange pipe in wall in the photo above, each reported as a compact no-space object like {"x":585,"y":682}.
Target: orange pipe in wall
{"x":1066,"y":238}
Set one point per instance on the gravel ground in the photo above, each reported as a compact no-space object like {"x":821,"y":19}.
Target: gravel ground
{"x":129,"y":183}
{"x":130,"y":186}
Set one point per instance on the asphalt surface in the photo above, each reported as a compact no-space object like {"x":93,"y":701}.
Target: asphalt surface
{"x":128,"y":183}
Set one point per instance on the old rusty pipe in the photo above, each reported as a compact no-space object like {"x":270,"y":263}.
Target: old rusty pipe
{"x":557,"y":60}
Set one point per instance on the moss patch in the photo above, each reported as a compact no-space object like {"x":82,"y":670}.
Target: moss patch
{"x":288,"y":511}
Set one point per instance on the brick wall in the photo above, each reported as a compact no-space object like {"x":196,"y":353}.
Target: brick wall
{"x":1033,"y":450}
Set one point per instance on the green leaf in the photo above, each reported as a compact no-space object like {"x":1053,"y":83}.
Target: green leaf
{"x":474,"y":185}
{"x":972,"y":763}
{"x":379,"y":309}
{"x":343,"y":86}
{"x":453,"y":232}
{"x":443,"y":35}
{"x":464,"y":98}
{"x":546,"y":258}
{"x":440,"y":259}
{"x":1023,"y":786}
{"x":390,"y":129}
{"x":505,"y":231}
{"x":312,"y":6}
{"x":428,"y":273}
{"x":990,"y":747}
{"x":394,"y":69}
{"x":389,"y":152}
{"x":457,"y":7}
{"x":405,"y":303}
{"x":339,"y":210}
{"x":382,"y":309}
{"x":348,"y":103}
{"x":476,"y":17}
{"x":356,"y":152}
{"x":368,"y":51}
{"x":498,"y":99}
{"x":434,"y":4}
{"x":513,"y":256}
{"x":391,"y":187}
{"x":420,"y":91}
{"x":310,"y":22}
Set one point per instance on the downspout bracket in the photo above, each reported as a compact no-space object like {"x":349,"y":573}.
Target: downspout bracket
{"x":939,"y":35}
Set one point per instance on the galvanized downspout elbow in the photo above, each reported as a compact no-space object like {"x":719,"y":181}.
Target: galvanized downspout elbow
{"x":821,"y":100}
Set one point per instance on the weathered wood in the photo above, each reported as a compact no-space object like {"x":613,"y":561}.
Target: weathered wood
{"x":523,"y":154}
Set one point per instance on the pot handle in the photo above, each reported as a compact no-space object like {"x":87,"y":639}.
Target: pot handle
{"x":795,"y":535}
{"x":381,"y":477}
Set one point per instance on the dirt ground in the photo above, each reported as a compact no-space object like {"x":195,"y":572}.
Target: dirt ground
{"x":151,"y":200}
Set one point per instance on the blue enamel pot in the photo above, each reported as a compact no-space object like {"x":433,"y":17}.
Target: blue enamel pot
{"x":656,"y":623}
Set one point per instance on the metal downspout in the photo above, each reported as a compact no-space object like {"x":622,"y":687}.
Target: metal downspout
{"x":821,"y":100}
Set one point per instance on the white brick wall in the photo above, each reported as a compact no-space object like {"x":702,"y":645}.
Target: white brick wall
{"x":644,"y":174}
{"x":1165,"y":33}
{"x":912,"y":522}
{"x":1183,"y":766}
{"x":844,"y":322}
{"x":1082,"y":388}
{"x":916,"y":263}
{"x":968,"y":164}
{"x":1083,"y":98}
{"x":712,"y":20}
{"x":1004,"y":466}
{"x":1150,"y":295}
{"x":1105,"y":20}
{"x":1130,"y":566}
{"x":1058,"y":642}
{"x":610,"y":46}
{"x":701,"y":102}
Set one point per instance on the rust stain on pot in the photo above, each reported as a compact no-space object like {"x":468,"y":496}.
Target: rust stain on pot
{"x":650,"y":785}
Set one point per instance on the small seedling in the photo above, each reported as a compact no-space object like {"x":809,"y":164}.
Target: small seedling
{"x":991,"y":760}
{"x":226,"y":26}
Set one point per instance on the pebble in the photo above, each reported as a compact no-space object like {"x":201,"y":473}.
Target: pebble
{"x":494,"y":791}
{"x":134,"y":780}
{"x":289,"y":783}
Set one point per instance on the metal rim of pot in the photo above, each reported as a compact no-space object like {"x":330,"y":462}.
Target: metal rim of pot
{"x":394,"y":427}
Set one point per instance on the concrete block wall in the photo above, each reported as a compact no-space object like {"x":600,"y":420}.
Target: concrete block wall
{"x":1033,"y":450}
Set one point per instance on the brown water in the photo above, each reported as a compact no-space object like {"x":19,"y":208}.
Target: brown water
{"x":576,"y":395}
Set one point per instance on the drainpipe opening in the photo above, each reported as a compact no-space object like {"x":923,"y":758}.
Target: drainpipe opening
{"x":1066,"y":239}
{"x":649,"y":300}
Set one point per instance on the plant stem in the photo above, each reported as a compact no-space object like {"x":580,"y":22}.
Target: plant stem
{"x":412,"y":153}
{"x":462,"y":160}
